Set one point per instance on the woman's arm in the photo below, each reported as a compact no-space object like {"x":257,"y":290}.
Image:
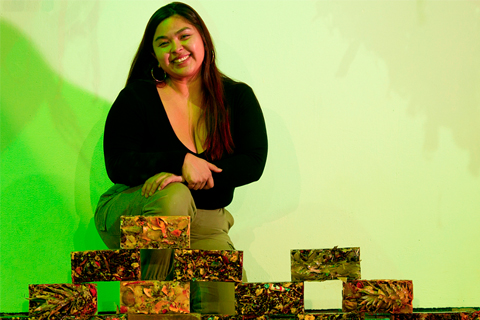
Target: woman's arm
{"x":249,"y":133}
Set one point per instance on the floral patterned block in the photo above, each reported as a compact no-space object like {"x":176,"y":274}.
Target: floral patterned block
{"x":438,"y":316}
{"x":155,"y":232}
{"x":378,"y":296}
{"x":331,"y":316}
{"x":166,"y":316}
{"x":269,"y":298}
{"x":208,"y":265}
{"x":325,"y":264}
{"x":56,"y":301}
{"x":105,"y":265}
{"x":154,"y":297}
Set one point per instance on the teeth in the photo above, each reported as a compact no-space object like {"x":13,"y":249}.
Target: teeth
{"x":182,"y":59}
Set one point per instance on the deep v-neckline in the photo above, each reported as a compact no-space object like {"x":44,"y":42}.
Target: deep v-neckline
{"x":171,"y":126}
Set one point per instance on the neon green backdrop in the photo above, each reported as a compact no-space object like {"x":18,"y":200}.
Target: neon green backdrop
{"x":373,"y":115}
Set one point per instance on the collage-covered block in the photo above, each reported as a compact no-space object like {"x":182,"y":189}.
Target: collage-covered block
{"x":325,"y":264}
{"x":331,"y":316}
{"x":155,"y":232}
{"x":55,"y":301}
{"x":154,"y":297}
{"x":208,"y":265}
{"x":378,"y":296}
{"x":438,"y":316}
{"x":235,"y":317}
{"x":105,"y":265}
{"x":165,"y":316}
{"x":269,"y":298}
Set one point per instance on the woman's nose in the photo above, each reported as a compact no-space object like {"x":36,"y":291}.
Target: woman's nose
{"x":176,"y":46}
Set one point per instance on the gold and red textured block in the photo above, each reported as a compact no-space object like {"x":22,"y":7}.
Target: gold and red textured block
{"x":166,"y":316}
{"x":208,"y":265}
{"x":331,"y":316}
{"x":56,"y":301}
{"x":438,"y":316}
{"x":234,"y":317}
{"x":155,"y":232}
{"x":154,"y":297}
{"x":378,"y":296}
{"x":105,"y":265}
{"x":325,"y":264}
{"x":269,"y":298}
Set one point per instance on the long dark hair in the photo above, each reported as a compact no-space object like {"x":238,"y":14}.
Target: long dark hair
{"x":214,"y":111}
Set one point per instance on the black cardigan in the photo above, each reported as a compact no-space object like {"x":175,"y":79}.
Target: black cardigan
{"x":139,"y":142}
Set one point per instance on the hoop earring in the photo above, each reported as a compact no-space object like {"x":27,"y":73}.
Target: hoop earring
{"x":156,"y":80}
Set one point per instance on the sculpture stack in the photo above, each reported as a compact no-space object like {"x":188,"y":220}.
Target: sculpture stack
{"x":148,"y":299}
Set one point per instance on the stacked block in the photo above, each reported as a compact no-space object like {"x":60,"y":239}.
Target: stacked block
{"x":208,"y":265}
{"x":325,"y":264}
{"x":155,"y":297}
{"x":105,"y":265}
{"x":331,"y":316}
{"x":269,"y":298}
{"x":166,"y":316}
{"x":438,"y":316}
{"x":154,"y":232}
{"x":55,"y":301}
{"x":378,"y":296}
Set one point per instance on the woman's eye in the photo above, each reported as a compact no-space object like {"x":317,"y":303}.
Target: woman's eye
{"x":185,"y":36}
{"x":163,"y":44}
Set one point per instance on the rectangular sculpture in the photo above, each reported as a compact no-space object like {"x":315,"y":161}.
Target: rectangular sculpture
{"x":325,"y":264}
{"x":154,"y":297}
{"x":208,"y":265}
{"x":166,"y":316}
{"x":105,"y":265}
{"x":155,"y":232}
{"x":235,"y":317}
{"x":269,"y":298}
{"x":331,"y":316}
{"x":438,"y":316}
{"x":56,"y":301}
{"x":378,"y":296}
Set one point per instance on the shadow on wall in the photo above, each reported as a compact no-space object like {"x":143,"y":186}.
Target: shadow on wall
{"x":49,"y":130}
{"x":431,"y":50}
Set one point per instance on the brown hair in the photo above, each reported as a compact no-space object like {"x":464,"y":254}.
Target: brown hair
{"x":214,"y":111}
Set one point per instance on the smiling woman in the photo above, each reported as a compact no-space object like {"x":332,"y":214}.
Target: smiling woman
{"x":178,"y":140}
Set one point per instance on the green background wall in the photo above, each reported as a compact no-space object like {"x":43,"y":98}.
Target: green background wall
{"x":373,"y":115}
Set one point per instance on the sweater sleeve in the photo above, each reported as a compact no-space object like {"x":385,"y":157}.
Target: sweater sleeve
{"x":138,"y":141}
{"x":249,"y":134}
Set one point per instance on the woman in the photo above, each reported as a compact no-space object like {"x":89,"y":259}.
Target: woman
{"x":179,"y":138}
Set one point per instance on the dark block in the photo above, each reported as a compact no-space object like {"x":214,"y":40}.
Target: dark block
{"x":208,"y":265}
{"x":105,"y":265}
{"x":269,"y":298}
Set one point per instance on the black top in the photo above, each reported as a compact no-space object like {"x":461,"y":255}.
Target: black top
{"x":139,"y":142}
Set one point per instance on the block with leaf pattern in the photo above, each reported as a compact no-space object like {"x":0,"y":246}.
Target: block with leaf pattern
{"x":331,"y":316}
{"x":269,"y":298}
{"x":325,"y":264}
{"x":154,"y":297}
{"x":56,"y":301}
{"x":437,"y":316}
{"x":155,"y":232}
{"x":165,"y":316}
{"x":378,"y":296}
{"x":105,"y":265}
{"x":208,"y":265}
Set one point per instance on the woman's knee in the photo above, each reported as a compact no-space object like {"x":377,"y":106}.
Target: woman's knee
{"x":174,"y":200}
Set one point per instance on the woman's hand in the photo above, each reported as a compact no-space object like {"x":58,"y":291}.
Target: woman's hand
{"x":158,"y":182}
{"x":198,"y":172}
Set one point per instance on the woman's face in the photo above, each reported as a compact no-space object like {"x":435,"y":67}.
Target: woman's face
{"x":179,"y":48}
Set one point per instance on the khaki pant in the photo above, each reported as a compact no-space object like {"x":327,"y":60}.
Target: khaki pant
{"x":208,"y":231}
